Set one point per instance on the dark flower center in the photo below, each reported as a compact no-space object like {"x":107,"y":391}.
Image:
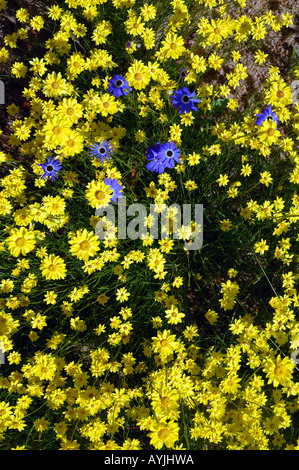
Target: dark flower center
{"x":118,"y":83}
{"x":102,"y":150}
{"x":169,"y":153}
{"x":185,"y":99}
{"x":50,"y":168}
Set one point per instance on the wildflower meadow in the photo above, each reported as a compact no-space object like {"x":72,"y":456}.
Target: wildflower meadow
{"x":149,"y":217}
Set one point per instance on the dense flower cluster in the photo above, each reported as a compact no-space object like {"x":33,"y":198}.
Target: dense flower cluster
{"x":141,"y":343}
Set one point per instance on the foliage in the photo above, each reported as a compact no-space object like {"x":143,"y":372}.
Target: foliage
{"x":143,"y":343}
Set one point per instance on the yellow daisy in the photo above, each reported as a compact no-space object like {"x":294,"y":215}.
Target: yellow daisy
{"x":73,"y":144}
{"x":53,"y":267}
{"x":279,"y":371}
{"x":138,"y":75}
{"x":70,"y":110}
{"x":107,"y":105}
{"x":54,"y":85}
{"x":164,"y":434}
{"x":98,"y":194}
{"x":20,"y":241}
{"x":84,"y":244}
{"x":172,"y":46}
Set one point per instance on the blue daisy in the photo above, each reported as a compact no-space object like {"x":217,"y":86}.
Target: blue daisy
{"x":51,"y":168}
{"x":116,"y":188}
{"x":152,"y":154}
{"x":266,"y":113}
{"x":103,"y":150}
{"x":169,"y":154}
{"x":119,"y":86}
{"x":162,"y":156}
{"x":184,"y":101}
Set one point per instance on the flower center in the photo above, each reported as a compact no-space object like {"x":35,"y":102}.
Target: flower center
{"x":185,"y":99}
{"x":270,"y":131}
{"x":102,"y":150}
{"x":106,"y":104}
{"x":52,"y":268}
{"x":118,"y":83}
{"x":217,"y":31}
{"x":20,"y":242}
{"x":164,"y":343}
{"x":85,"y":245}
{"x":169,"y":153}
{"x":49,"y":168}
{"x":55,"y":85}
{"x":138,"y":76}
{"x":173,"y":46}
{"x":279,"y":370}
{"x":57,"y":130}
{"x":165,"y":401}
{"x":280,"y":94}
{"x":100,"y":195}
{"x":70,"y":111}
{"x":163,"y":434}
{"x":71,"y":143}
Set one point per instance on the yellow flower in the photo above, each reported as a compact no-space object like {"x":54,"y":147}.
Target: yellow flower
{"x":70,"y":110}
{"x":78,"y":324}
{"x":98,"y":194}
{"x":211,"y":316}
{"x":279,"y":371}
{"x":56,"y":132}
{"x":268,"y":133}
{"x":138,"y":75}
{"x":102,"y":299}
{"x":122,"y":295}
{"x":20,"y":241}
{"x":266,"y":178}
{"x":163,"y":433}
{"x":261,"y":247}
{"x":84,"y":244}
{"x":134,"y":25}
{"x":164,"y":343}
{"x":50,"y":297}
{"x":279,"y":94}
{"x":164,"y":400}
{"x":53,"y":267}
{"x":54,"y":85}
{"x":45,"y":367}
{"x":73,"y":143}
{"x":172,"y":46}
{"x":107,"y":104}
{"x":225,"y":225}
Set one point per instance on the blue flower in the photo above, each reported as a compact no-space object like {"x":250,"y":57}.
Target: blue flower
{"x":51,"y":167}
{"x":168,"y":154}
{"x":103,"y":150}
{"x":154,"y":160}
{"x":184,"y":101}
{"x":116,"y":188}
{"x":119,"y":86}
{"x":265,"y":114}
{"x":162,"y":156}
{"x":184,"y":72}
